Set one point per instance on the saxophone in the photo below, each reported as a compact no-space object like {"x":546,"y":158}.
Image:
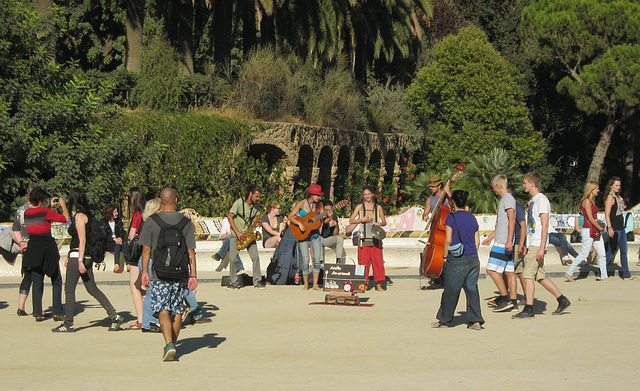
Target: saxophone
{"x":251,"y":234}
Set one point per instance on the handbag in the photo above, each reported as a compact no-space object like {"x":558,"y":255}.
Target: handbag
{"x":457,"y":249}
{"x":134,"y":251}
{"x":576,"y":237}
{"x":595,"y":234}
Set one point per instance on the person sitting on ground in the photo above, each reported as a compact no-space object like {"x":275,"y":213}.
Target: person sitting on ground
{"x":116,"y":235}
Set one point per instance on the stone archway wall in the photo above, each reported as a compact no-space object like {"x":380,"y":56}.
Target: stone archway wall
{"x":292,"y":138}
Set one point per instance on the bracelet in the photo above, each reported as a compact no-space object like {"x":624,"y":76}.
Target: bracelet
{"x":445,"y":257}
{"x":193,"y":276}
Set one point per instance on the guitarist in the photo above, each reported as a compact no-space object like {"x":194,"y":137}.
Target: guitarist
{"x":241,"y":216}
{"x":311,"y":204}
{"x":369,"y":214}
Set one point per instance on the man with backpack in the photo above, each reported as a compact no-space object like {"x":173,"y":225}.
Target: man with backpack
{"x":169,"y":239}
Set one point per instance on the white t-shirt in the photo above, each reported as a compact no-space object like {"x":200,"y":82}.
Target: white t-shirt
{"x":538,"y":205}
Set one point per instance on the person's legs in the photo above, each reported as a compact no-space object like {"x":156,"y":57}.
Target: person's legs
{"x":37,"y":277}
{"x":117,"y":249}
{"x":316,"y":247}
{"x":364,"y":258}
{"x":453,"y":274}
{"x":470,"y":286}
{"x":56,"y":284}
{"x":226,"y":245}
{"x":513,"y":285}
{"x":70,"y":283}
{"x":623,"y":247}
{"x":377,"y":263}
{"x":587,"y":242}
{"x":233,"y":253}
{"x":25,"y":287}
{"x":566,"y":246}
{"x":135,"y":285}
{"x":194,"y":308}
{"x":499,"y":281}
{"x":602,"y":258}
{"x":90,"y":285}
{"x":255,"y":262}
{"x":303,"y":250}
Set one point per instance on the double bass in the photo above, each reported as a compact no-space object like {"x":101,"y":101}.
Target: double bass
{"x":431,"y":258}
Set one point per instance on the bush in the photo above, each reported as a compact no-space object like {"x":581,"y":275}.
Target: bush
{"x":159,"y":84}
{"x":388,"y":112}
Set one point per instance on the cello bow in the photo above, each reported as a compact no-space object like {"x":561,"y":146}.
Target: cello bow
{"x":431,"y":258}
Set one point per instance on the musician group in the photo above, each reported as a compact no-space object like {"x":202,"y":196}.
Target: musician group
{"x":450,"y":255}
{"x":315,"y":226}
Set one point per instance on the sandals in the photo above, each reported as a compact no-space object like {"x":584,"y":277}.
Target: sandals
{"x":569,"y":278}
{"x":136,"y":326}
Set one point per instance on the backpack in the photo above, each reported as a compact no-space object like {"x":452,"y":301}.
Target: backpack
{"x":171,"y":255}
{"x":96,"y":240}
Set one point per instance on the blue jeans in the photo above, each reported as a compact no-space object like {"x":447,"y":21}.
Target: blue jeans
{"x":225,"y":249}
{"x":460,"y":273}
{"x":190,"y":298}
{"x":316,"y":246}
{"x":147,"y":315}
{"x":560,"y":240}
{"x":622,"y":246}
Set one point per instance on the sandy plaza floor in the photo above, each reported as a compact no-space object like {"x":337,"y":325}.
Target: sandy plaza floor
{"x":275,"y":340}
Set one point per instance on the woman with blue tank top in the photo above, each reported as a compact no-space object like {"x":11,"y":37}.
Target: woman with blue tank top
{"x":310,"y":204}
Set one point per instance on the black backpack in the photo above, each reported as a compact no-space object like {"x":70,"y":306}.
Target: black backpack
{"x":96,"y":240}
{"x":171,"y":255}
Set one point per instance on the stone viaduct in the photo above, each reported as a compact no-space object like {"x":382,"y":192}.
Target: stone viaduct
{"x":327,"y":156}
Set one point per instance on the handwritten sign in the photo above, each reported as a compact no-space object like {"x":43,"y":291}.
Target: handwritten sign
{"x":341,"y":277}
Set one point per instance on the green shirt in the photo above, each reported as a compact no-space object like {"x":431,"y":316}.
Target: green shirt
{"x":244,"y":214}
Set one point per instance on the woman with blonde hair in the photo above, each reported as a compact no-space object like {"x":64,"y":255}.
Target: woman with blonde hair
{"x":272,"y":225}
{"x":589,"y":210}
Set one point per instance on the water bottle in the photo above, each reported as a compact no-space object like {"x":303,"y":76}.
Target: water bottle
{"x":296,"y":279}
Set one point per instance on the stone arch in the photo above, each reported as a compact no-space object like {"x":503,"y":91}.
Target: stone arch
{"x":389,"y":166}
{"x":271,"y":153}
{"x":343,"y":166}
{"x":305,"y":167}
{"x":325,"y":162}
{"x":373,"y":177}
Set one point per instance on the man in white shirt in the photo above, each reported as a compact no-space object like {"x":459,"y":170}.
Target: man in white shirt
{"x":537,"y":240}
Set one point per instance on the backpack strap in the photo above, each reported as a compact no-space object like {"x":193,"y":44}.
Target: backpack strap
{"x":159,"y":221}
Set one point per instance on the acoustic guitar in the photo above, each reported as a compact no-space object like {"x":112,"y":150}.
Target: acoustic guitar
{"x":312,"y":221}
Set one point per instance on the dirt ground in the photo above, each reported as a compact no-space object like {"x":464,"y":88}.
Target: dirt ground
{"x":275,"y":340}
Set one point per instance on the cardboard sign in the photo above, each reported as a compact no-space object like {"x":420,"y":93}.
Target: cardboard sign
{"x":340,"y":277}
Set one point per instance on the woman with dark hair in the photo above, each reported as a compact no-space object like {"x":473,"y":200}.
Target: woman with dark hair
{"x":613,"y":213}
{"x":41,"y":256}
{"x":79,"y":265}
{"x":21,"y":237}
{"x":313,"y":241}
{"x":462,"y":267}
{"x":369,"y":214}
{"x":116,"y":242}
{"x":137,"y":203}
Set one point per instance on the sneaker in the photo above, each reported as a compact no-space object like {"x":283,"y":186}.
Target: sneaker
{"x":169,"y":352}
{"x":63,"y":328}
{"x":504,"y":306}
{"x":153,"y":328}
{"x":202,"y":320}
{"x":116,"y":322}
{"x":494,"y":302}
{"x":259,"y":285}
{"x":563,"y":304}
{"x":524,"y":314}
{"x":233,"y":286}
{"x":565,"y":259}
{"x":216,"y":257}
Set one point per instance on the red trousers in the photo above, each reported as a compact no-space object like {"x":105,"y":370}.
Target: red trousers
{"x":373,"y":256}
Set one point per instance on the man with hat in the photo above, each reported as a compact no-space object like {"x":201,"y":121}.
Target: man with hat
{"x":435,"y":185}
{"x":311,"y":204}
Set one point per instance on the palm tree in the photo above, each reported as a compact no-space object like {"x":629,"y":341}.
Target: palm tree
{"x":478,"y":175}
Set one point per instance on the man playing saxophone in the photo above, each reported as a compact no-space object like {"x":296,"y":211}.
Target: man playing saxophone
{"x":241,"y":216}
